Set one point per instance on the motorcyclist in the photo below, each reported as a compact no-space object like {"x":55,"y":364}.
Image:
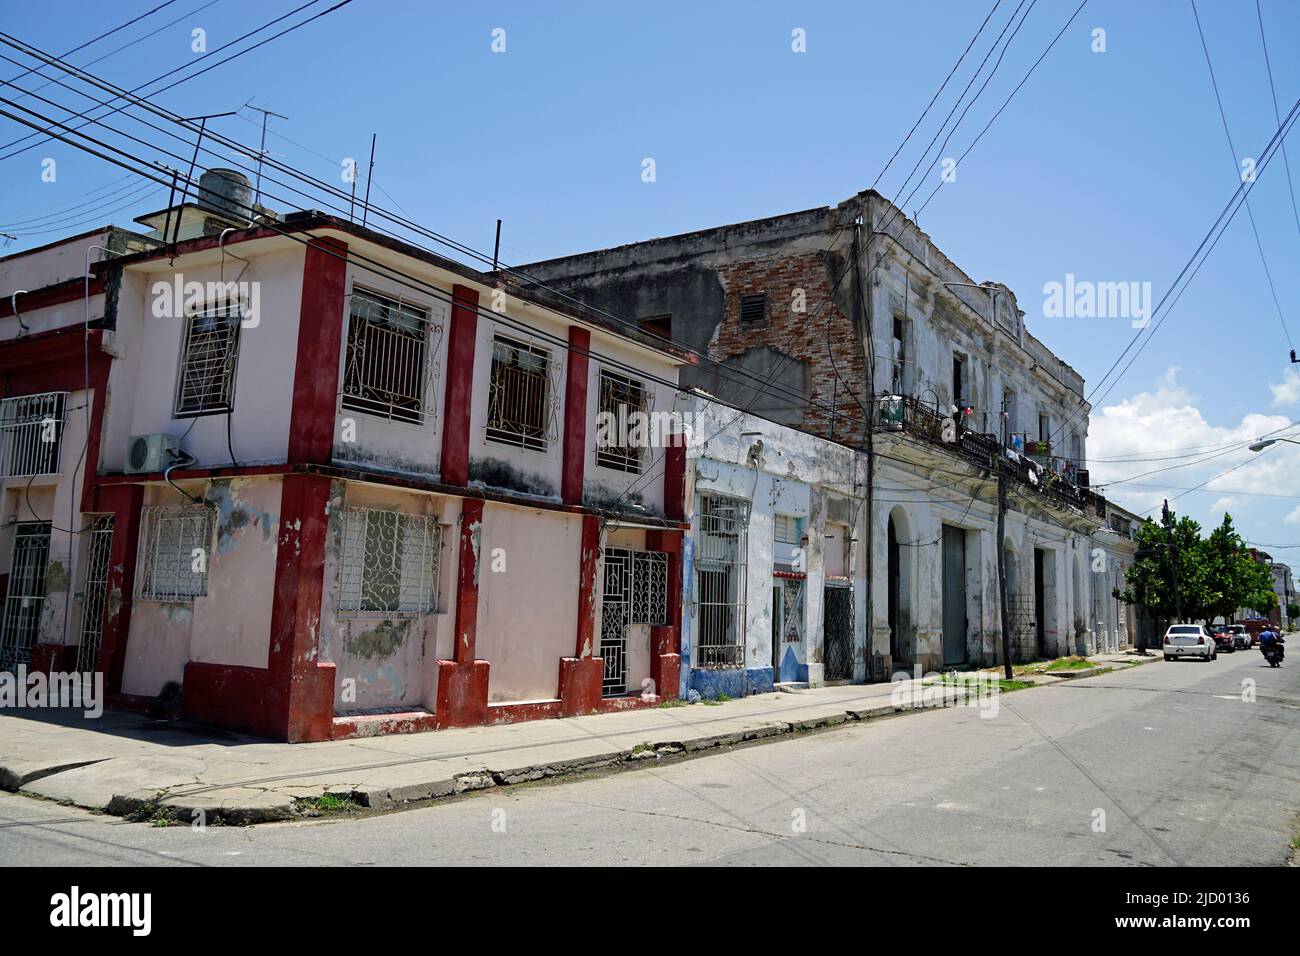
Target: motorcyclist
{"x":1269,"y":636}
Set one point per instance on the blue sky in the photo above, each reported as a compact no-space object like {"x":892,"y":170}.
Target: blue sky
{"x":1107,"y":165}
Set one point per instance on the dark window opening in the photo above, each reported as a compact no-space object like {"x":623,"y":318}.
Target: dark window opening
{"x":660,"y":325}
{"x":753,"y":309}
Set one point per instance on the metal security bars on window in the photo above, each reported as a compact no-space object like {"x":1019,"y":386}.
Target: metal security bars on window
{"x":720,"y":578}
{"x":95,"y":591}
{"x":523,"y":395}
{"x":31,"y":434}
{"x":25,"y":595}
{"x":388,"y":368}
{"x":622,"y":401}
{"x":389,"y":562}
{"x":209,"y":354}
{"x":174,"y":553}
{"x":635,"y":592}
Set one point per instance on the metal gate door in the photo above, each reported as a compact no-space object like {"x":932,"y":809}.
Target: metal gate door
{"x":954,"y":595}
{"x":26,"y":595}
{"x":95,"y":591}
{"x":615,"y":616}
{"x":837,"y":632}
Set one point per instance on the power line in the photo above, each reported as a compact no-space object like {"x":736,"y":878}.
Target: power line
{"x":1277,"y":117}
{"x":1263,"y":261}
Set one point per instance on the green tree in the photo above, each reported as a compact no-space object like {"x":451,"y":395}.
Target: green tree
{"x":1234,"y":578}
{"x":1162,"y":551}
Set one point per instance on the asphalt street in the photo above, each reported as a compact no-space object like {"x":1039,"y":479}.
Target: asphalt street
{"x":1161,"y":765}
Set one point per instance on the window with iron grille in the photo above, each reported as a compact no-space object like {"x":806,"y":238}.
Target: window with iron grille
{"x":522,"y":398}
{"x":175,"y":547}
{"x":25,"y":595}
{"x":31,"y":434}
{"x":722,"y":526}
{"x":389,"y":562}
{"x":621,"y":398}
{"x":386,"y":367}
{"x":753,"y":309}
{"x":205,"y":384}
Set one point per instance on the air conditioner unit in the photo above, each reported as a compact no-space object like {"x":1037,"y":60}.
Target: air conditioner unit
{"x":150,"y":453}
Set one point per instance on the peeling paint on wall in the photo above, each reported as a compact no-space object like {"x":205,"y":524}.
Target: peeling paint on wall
{"x":381,"y":641}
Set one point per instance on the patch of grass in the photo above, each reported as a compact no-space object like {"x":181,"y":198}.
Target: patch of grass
{"x":327,"y":803}
{"x":1070,"y":664}
{"x":675,"y":702}
{"x":723,"y":698}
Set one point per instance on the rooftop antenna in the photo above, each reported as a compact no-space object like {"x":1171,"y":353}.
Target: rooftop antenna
{"x":203,"y":122}
{"x":370,"y":173}
{"x":261,"y":152}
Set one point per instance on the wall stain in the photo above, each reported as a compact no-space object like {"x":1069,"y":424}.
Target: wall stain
{"x":381,"y":641}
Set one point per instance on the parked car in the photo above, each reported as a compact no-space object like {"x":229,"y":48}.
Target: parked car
{"x":1190,"y":640}
{"x":1241,"y":636}
{"x":1224,"y":638}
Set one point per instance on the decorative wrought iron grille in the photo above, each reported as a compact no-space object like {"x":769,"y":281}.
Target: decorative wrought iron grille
{"x":209,"y":355}
{"x":389,"y":562}
{"x":25,"y":597}
{"x":31,"y":434}
{"x":635,"y":592}
{"x":837,"y":632}
{"x":523,"y":395}
{"x":388,"y":368}
{"x":788,"y":617}
{"x":1024,"y":627}
{"x":94,"y":591}
{"x":620,"y":399}
{"x":720,"y":578}
{"x":175,"y":547}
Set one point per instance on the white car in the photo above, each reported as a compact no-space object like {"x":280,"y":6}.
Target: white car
{"x":1189,"y":640}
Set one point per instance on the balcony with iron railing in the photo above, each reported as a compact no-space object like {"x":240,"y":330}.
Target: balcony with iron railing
{"x":1048,"y":477}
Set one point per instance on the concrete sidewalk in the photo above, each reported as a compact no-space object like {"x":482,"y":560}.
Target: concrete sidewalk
{"x":128,"y":765}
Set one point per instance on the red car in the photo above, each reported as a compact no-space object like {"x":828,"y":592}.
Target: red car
{"x":1224,"y":638}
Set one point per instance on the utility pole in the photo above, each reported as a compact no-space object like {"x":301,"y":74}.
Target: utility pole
{"x":1002,"y":567}
{"x":1173,"y":564}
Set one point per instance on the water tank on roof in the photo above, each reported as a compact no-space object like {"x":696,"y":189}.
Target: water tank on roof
{"x":226,"y":191}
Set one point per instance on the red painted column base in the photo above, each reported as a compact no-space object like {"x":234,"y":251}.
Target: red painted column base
{"x":47,"y":658}
{"x":665,"y":662}
{"x":250,"y":700}
{"x":462,"y":694}
{"x":580,"y":685}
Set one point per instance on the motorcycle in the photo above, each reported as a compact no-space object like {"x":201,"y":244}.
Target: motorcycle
{"x":1273,"y":653}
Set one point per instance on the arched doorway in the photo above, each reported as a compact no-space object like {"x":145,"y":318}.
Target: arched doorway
{"x":898,"y":587}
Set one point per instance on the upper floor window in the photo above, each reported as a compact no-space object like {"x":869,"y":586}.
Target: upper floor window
{"x":31,"y":434}
{"x":620,"y":439}
{"x":209,"y":354}
{"x":523,"y":399}
{"x":959,"y":396}
{"x":174,"y":553}
{"x":785,"y":529}
{"x":386,"y":368}
{"x":753,"y":309}
{"x":898,"y":359}
{"x":388,"y":562}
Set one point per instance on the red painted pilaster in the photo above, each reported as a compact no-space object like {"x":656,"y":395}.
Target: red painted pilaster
{"x":124,"y":501}
{"x":575,"y":415}
{"x":675,"y":478}
{"x":581,"y":676}
{"x":460,"y":385}
{"x":463,"y":682}
{"x":320,"y":340}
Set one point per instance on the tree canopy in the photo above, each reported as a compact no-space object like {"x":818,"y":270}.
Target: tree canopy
{"x":1216,"y":575}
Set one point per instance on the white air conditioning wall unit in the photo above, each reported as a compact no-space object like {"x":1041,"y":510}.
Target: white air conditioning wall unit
{"x":151,"y":453}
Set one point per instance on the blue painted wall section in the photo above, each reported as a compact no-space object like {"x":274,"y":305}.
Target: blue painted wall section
{"x":732,"y":681}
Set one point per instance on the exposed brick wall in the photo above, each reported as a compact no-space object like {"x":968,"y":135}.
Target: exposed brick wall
{"x":805,"y":336}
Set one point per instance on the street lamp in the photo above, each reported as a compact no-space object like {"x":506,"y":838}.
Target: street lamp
{"x":1261,"y":445}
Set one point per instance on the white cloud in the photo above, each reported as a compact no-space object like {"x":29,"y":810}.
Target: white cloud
{"x":1286,"y":392}
{"x":1294,"y":516}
